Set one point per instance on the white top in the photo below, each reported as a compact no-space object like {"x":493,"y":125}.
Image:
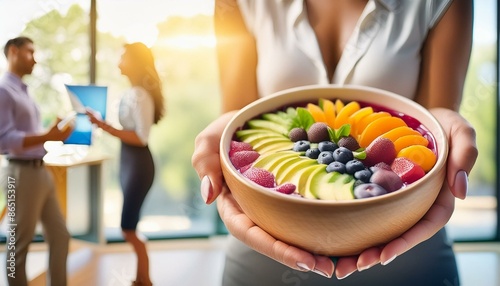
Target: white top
{"x":382,"y":52}
{"x":136,"y":112}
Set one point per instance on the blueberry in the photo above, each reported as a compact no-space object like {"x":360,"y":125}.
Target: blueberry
{"x":327,"y":146}
{"x":363,"y":175}
{"x":336,"y":167}
{"x":368,"y":191}
{"x":343,"y":155}
{"x":313,"y":153}
{"x":325,"y":157}
{"x":301,"y":146}
{"x":353,"y":166}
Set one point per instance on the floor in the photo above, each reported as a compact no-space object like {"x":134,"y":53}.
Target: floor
{"x":200,"y":262}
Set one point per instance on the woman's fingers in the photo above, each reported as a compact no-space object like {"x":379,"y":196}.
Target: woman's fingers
{"x":462,"y":149}
{"x":206,"y":158}
{"x":437,"y":216}
{"x":241,"y":227}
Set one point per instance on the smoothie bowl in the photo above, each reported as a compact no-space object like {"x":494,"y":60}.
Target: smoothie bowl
{"x":334,"y":170}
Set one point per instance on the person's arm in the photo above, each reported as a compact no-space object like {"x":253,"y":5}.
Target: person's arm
{"x":12,"y":139}
{"x":445,"y":58}
{"x":237,"y":56}
{"x":127,"y":136}
{"x":53,"y":134}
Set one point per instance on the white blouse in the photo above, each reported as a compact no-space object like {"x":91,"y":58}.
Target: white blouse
{"x":136,"y":112}
{"x":382,"y":52}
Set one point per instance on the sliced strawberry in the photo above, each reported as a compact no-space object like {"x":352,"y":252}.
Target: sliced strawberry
{"x":287,"y":188}
{"x":237,"y":146}
{"x":243,"y":158}
{"x":380,"y":150}
{"x":407,"y":170}
{"x":261,"y":177}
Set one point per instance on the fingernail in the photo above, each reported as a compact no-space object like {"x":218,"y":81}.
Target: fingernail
{"x":367,"y":267}
{"x":303,"y":266}
{"x":345,"y":276}
{"x":324,"y":274}
{"x":389,"y":260}
{"x":461,"y":183}
{"x":206,"y":189}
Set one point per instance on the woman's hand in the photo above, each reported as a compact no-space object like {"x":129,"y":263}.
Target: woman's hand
{"x":461,"y":158}
{"x":206,"y":161}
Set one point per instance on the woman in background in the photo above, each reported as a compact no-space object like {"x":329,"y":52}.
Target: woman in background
{"x":418,"y":49}
{"x":140,"y":107}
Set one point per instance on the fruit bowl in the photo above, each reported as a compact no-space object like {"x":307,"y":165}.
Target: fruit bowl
{"x":335,"y":227}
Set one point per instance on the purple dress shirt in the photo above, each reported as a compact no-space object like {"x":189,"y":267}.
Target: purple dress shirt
{"x":19,"y":117}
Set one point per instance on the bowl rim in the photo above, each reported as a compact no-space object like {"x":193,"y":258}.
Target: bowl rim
{"x":224,"y":147}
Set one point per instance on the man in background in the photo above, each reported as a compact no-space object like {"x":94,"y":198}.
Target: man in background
{"x":29,"y":186}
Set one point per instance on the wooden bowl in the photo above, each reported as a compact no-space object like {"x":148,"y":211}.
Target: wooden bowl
{"x":335,"y":228}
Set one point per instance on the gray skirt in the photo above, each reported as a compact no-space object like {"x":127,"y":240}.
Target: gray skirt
{"x":429,"y":263}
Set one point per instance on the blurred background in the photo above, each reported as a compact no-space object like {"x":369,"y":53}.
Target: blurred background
{"x":80,"y":42}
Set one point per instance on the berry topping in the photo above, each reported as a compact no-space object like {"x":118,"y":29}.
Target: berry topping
{"x":325,"y":157}
{"x":343,"y":155}
{"x":261,"y":177}
{"x":380,"y":150}
{"x":349,"y":142}
{"x":318,"y":132}
{"x":408,"y":171}
{"x":237,"y":146}
{"x":313,"y":153}
{"x":336,"y":167}
{"x":297,"y":134}
{"x":242,"y":158}
{"x":287,"y":188}
{"x":353,"y":166}
{"x":368,"y":190}
{"x":327,"y":146}
{"x":388,"y":180}
{"x":301,"y":146}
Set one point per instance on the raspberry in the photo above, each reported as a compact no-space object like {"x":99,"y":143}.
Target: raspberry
{"x":237,"y":146}
{"x":242,"y":158}
{"x":287,"y":188}
{"x":261,"y":177}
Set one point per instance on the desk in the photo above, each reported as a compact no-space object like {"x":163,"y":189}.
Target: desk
{"x":59,"y":168}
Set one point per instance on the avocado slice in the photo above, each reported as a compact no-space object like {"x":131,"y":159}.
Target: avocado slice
{"x":268,"y":125}
{"x":332,"y":186}
{"x":268,"y":161}
{"x":287,"y":174}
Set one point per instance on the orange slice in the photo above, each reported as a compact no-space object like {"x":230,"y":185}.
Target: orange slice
{"x":419,"y":154}
{"x":356,"y":117}
{"x":343,"y":115}
{"x":377,"y":128}
{"x":329,"y":111}
{"x":410,"y":140}
{"x":399,"y":132}
{"x":361,"y":126}
{"x":338,"y":105}
{"x":316,"y":112}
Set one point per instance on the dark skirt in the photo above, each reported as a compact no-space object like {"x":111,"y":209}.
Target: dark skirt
{"x":429,"y":263}
{"x":137,"y":172}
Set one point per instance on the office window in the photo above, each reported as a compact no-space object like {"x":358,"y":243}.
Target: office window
{"x":181,"y":37}
{"x":476,"y":217}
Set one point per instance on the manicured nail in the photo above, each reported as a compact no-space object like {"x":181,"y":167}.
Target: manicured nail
{"x":389,"y":260}
{"x":303,"y":266}
{"x":367,"y":267}
{"x":461,"y":183}
{"x":206,"y":189}
{"x":345,"y":276}
{"x":324,"y":274}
